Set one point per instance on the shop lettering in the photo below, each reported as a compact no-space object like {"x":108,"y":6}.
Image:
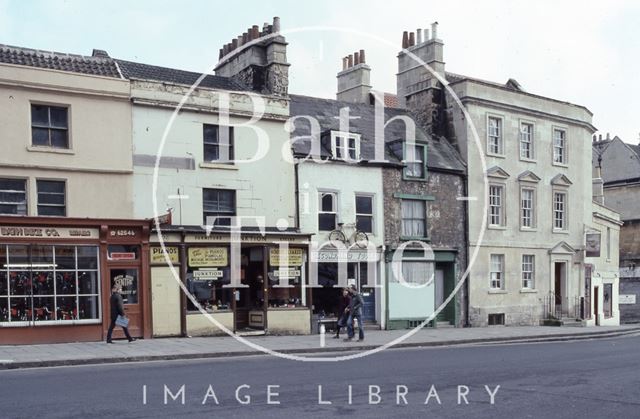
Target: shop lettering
{"x":123,"y":280}
{"x":123,"y":233}
{"x":49,"y":232}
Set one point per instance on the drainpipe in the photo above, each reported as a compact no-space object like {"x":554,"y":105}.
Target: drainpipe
{"x":297,"y":195}
{"x":466,"y":253}
{"x":183,"y":278}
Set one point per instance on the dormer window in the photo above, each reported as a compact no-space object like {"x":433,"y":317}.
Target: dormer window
{"x":345,"y":146}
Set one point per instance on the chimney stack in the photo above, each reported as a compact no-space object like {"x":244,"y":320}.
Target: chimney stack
{"x":257,"y":60}
{"x":405,"y":40}
{"x":354,"y":83}
{"x":434,"y":30}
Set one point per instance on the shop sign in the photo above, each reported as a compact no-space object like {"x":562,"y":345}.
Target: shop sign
{"x":351,"y":256}
{"x":123,"y":232}
{"x":246,"y":238}
{"x":207,"y":274}
{"x":295,"y":257}
{"x":627,"y":299}
{"x":122,"y":256}
{"x":157,"y":254}
{"x":592,"y":245}
{"x":207,"y":257}
{"x":48,"y":232}
{"x":286,"y":273}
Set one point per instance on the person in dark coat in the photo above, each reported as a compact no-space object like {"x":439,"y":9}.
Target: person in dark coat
{"x":117,"y":308}
{"x":343,"y":311}
{"x":355,"y":313}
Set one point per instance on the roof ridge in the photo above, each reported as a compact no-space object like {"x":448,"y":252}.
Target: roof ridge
{"x":54,"y":53}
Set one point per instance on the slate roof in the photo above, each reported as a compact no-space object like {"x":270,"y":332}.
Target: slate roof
{"x":440,"y":153}
{"x":96,"y":66}
{"x":132,"y":70}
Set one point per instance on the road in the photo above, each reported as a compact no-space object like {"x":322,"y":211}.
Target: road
{"x":580,"y":379}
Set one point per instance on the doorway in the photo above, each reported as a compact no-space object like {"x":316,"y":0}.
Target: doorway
{"x":250,"y":301}
{"x":559,"y":285}
{"x":596,"y":305}
{"x":129,"y":280}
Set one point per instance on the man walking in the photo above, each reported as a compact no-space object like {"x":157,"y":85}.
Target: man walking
{"x":117,"y":309}
{"x":355,"y":314}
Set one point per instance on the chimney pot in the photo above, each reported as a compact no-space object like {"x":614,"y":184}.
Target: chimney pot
{"x":419,"y":36}
{"x":245,"y":38}
{"x":234,"y":44}
{"x":608,"y":138}
{"x":345,"y":63}
{"x":405,"y":40}
{"x":600,"y":137}
{"x":412,"y":39}
{"x":362,"y":56}
{"x":276,"y":24}
{"x":356,"y":58}
{"x":255,"y":32}
{"x":350,"y":61}
{"x":425,"y":34}
{"x":434,"y":30}
{"x":239,"y":40}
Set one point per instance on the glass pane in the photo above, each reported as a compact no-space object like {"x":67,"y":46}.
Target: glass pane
{"x":65,"y":257}
{"x":3,"y":257}
{"x":19,"y":309}
{"x":65,"y":283}
{"x":327,"y":202}
{"x":59,"y":117}
{"x":88,"y":282}
{"x":59,"y":138}
{"x":40,"y":136}
{"x":53,"y":186}
{"x":42,"y":283}
{"x":210,"y":133}
{"x":18,"y":255}
{"x":364,"y":223}
{"x":211,"y":152}
{"x":42,"y":255}
{"x":40,"y":115}
{"x":12,"y":197}
{"x":66,"y":308}
{"x":43,"y":309}
{"x":89,"y":308}
{"x":128,"y":280}
{"x":4,"y":283}
{"x":51,"y":211}
{"x":19,"y":283}
{"x":13,"y":185}
{"x":4,"y":309}
{"x":87,"y":257}
{"x":364,"y":205}
{"x":327,"y":222}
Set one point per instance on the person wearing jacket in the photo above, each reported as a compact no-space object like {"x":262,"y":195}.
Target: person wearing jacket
{"x":117,"y":308}
{"x":343,"y":311}
{"x":355,"y":313}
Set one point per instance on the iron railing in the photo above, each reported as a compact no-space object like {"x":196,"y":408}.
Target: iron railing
{"x":556,"y":307}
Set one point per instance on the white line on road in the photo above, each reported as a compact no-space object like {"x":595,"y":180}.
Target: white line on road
{"x":322,"y":332}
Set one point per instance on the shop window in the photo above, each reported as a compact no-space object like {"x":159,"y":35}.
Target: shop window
{"x":49,"y":126}
{"x":214,"y":145}
{"x":328,"y":211}
{"x":207,"y":273}
{"x":128,"y":280}
{"x":219,"y":203}
{"x":49,"y":283}
{"x":364,"y":213}
{"x":13,"y":196}
{"x":291,"y":275}
{"x":51,"y":198}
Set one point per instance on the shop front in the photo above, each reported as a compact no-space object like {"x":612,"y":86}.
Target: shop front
{"x":269,"y":295}
{"x":56,"y":275}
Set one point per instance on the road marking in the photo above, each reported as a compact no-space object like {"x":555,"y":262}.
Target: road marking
{"x":322,"y":333}
{"x":467,"y":198}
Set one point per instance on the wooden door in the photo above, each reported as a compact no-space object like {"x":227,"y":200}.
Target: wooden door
{"x":129,"y":278}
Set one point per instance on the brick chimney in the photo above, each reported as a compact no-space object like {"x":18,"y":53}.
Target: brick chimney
{"x":354,"y":82}
{"x":257,"y":60}
{"x":412,"y":76}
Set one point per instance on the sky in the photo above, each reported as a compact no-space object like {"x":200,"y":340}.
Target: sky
{"x":583,"y":52}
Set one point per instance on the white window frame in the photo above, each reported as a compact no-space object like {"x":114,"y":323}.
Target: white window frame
{"x":373,"y":210}
{"x":564,"y":211}
{"x":527,"y":138}
{"x":340,"y":151}
{"x":502,"y":218}
{"x":499,"y":135}
{"x":564,"y":147}
{"x":424,"y":219}
{"x":65,"y":194}
{"x":496,"y":276}
{"x":334,"y":210}
{"x":26,"y":194}
{"x":528,"y":270}
{"x":532,"y":208}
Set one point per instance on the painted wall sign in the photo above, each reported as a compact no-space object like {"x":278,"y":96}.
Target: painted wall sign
{"x":157,"y":255}
{"x":246,"y":238}
{"x":49,"y":232}
{"x":592,"y":245}
{"x":294,"y":257}
{"x":203,"y":257}
{"x":627,"y":299}
{"x":351,"y":256}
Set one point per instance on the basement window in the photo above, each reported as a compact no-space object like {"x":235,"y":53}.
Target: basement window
{"x":496,"y":319}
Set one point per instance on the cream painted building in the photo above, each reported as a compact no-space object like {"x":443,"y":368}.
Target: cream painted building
{"x":66,"y":135}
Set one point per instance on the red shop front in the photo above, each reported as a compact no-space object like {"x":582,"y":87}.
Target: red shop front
{"x":56,"y":276}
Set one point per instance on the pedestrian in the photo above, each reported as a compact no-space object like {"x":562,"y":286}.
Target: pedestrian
{"x":343,"y":311}
{"x":117,"y":309}
{"x":355,"y":314}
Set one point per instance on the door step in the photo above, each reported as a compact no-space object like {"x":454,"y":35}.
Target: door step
{"x":571,"y":322}
{"x":444,"y":325}
{"x":250,"y":332}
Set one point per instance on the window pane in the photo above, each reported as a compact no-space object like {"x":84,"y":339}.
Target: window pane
{"x":59,"y":138}
{"x":59,"y":117}
{"x":327,"y":202}
{"x":65,"y":283}
{"x":128,"y":279}
{"x":39,"y":115}
{"x":51,"y":211}
{"x":327,"y":222}
{"x":42,"y":283}
{"x":52,"y":186}
{"x":40,"y":136}
{"x":364,"y":223}
{"x":65,"y":257}
{"x":89,"y":308}
{"x":88,"y":282}
{"x":4,"y":282}
{"x":66,"y":308}
{"x":211,"y":152}
{"x":210,"y":134}
{"x":87,"y":257}
{"x":364,"y":205}
{"x":4,"y":309}
{"x":54,"y":199}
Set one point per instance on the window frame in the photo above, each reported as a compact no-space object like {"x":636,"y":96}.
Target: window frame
{"x":219,"y":222}
{"x":217,"y":144}
{"x":403,"y":234}
{"x":405,"y":175}
{"x":531,"y":281}
{"x":64,"y":194}
{"x":533,"y":217}
{"x":565,"y":147}
{"x":500,"y":279}
{"x":50,"y":127}
{"x":532,"y":142}
{"x":334,"y":211}
{"x":344,"y":148}
{"x":500,"y":136}
{"x":26,"y":195}
{"x":373,"y":210}
{"x":503,"y":212}
{"x":565,"y":211}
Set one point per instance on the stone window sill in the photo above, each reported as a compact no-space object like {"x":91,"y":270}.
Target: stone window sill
{"x":50,"y":150}
{"x":528,"y":291}
{"x":497,"y":291}
{"x":205,"y":165}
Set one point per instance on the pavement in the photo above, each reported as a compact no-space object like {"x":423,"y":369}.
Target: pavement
{"x":596,"y":378}
{"x":83,"y":353}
